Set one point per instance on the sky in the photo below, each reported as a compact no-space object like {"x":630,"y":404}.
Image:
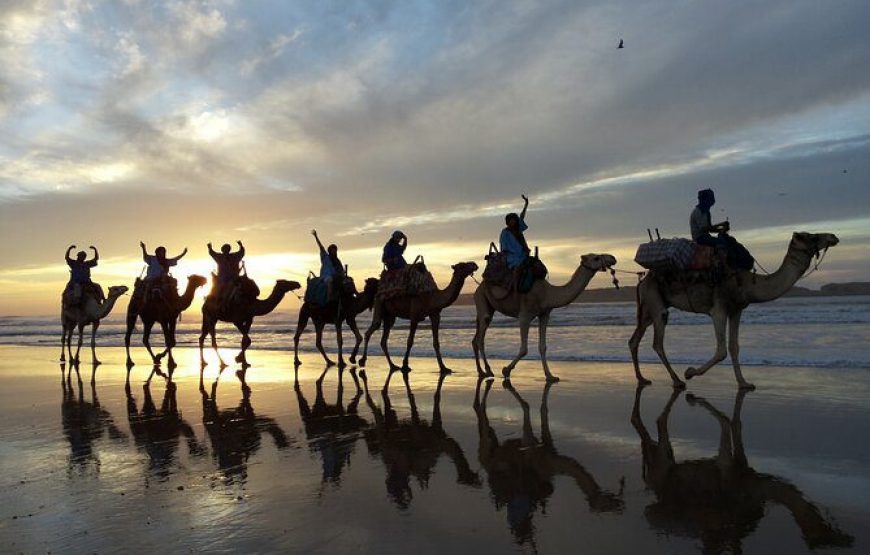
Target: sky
{"x":184,"y":122}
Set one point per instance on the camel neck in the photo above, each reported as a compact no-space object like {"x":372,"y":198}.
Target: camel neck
{"x":561,"y":295}
{"x":767,"y":288}
{"x":447,"y":296}
{"x":108,"y":305}
{"x":267,"y":305}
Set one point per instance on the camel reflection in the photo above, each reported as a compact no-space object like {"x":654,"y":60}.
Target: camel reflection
{"x":720,"y":500}
{"x":412,"y":447}
{"x":332,"y":429}
{"x":521,"y":471}
{"x":235,"y":433}
{"x":84,"y":423}
{"x":158,"y":432}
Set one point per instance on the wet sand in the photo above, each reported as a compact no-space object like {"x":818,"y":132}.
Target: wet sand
{"x":265,"y":465}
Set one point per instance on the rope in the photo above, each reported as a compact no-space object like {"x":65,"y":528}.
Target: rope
{"x":819,"y":260}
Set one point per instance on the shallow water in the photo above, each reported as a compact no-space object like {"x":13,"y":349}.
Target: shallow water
{"x":823,"y":332}
{"x":277,"y":462}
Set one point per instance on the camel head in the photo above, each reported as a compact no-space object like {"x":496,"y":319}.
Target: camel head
{"x":464,"y":269}
{"x":813,"y":243}
{"x":116,"y":291}
{"x":284,"y":286}
{"x":196,"y":281}
{"x":597,"y":262}
{"x":371,"y":286}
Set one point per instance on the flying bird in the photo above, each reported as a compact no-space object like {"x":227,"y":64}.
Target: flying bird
{"x":621,"y":44}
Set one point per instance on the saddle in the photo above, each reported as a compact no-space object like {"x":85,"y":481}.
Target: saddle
{"x":164,"y":288}
{"x":521,"y":278}
{"x":412,"y":280}
{"x":76,"y":293}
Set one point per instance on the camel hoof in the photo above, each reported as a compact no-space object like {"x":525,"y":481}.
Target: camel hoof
{"x":552,"y":379}
{"x":692,"y":399}
{"x":362,"y":373}
{"x":297,"y":363}
{"x":342,"y":363}
{"x":679,"y":385}
{"x":362,"y":362}
{"x":240,"y":358}
{"x":223,"y":365}
{"x":329,"y":363}
{"x":352,"y":359}
{"x":245,"y":365}
{"x":506,"y":372}
{"x":405,"y":369}
{"x":747,"y":386}
{"x":96,"y":362}
{"x":691,"y":372}
{"x":130,"y":364}
{"x":445,"y":370}
{"x":643,"y":381}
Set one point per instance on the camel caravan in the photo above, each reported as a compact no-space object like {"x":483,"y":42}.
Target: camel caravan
{"x":711,"y":273}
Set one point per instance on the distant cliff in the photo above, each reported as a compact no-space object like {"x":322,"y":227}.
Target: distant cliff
{"x":627,"y":294}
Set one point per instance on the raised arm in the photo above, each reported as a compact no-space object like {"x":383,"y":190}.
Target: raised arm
{"x":96,"y":256}
{"x":144,"y":252}
{"x":525,"y":207}
{"x":180,"y":256}
{"x":241,"y":251}
{"x":316,"y":238}
{"x":69,"y":250}
{"x":211,"y":252}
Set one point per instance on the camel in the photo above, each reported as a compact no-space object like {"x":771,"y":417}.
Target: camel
{"x":521,"y":471}
{"x":720,"y":500}
{"x":240,"y":310}
{"x":84,"y":424}
{"x":164,"y":311}
{"x":235,"y":434}
{"x":157,"y":431}
{"x":412,"y":447}
{"x":417,"y":308}
{"x":723,"y":303}
{"x":332,"y":429}
{"x":344,"y":309}
{"x":537,"y":303}
{"x":89,"y":312}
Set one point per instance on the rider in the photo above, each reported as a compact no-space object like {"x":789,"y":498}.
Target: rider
{"x":700,"y":222}
{"x":228,"y":263}
{"x":80,"y":271}
{"x":512,"y":241}
{"x":158,"y":271}
{"x":393,"y":251}
{"x":330,"y":266}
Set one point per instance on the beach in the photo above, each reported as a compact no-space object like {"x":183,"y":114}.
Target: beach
{"x":276,"y":460}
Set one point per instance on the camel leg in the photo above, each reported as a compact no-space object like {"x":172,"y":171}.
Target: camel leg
{"x":94,"y":327}
{"x":202,"y":334}
{"x":244,"y":328}
{"x":131,"y":323}
{"x":719,"y":322}
{"x":81,"y":328}
{"x":633,"y":345}
{"x":412,"y":331}
{"x":543,"y":321}
{"x":169,"y":338}
{"x":734,"y":349}
{"x":146,"y":340}
{"x":376,"y":323}
{"x":69,"y":335}
{"x":318,"y":341}
{"x":385,"y":337}
{"x":525,"y":321}
{"x":484,"y":318}
{"x":659,"y":348}
{"x":63,"y":340}
{"x":339,"y":340}
{"x":436,"y":341}
{"x":351,"y":323}
{"x":300,"y":327}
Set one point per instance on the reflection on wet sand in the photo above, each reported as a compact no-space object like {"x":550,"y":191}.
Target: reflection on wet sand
{"x":83,"y":424}
{"x":412,"y":447}
{"x":158,"y":432}
{"x":332,"y":429}
{"x":521,"y":471}
{"x":720,"y":499}
{"x":235,"y":433}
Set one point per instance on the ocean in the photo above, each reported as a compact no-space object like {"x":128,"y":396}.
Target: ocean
{"x":822,"y":332}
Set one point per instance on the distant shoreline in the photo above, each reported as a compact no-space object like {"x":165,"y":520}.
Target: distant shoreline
{"x":627,"y":293}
